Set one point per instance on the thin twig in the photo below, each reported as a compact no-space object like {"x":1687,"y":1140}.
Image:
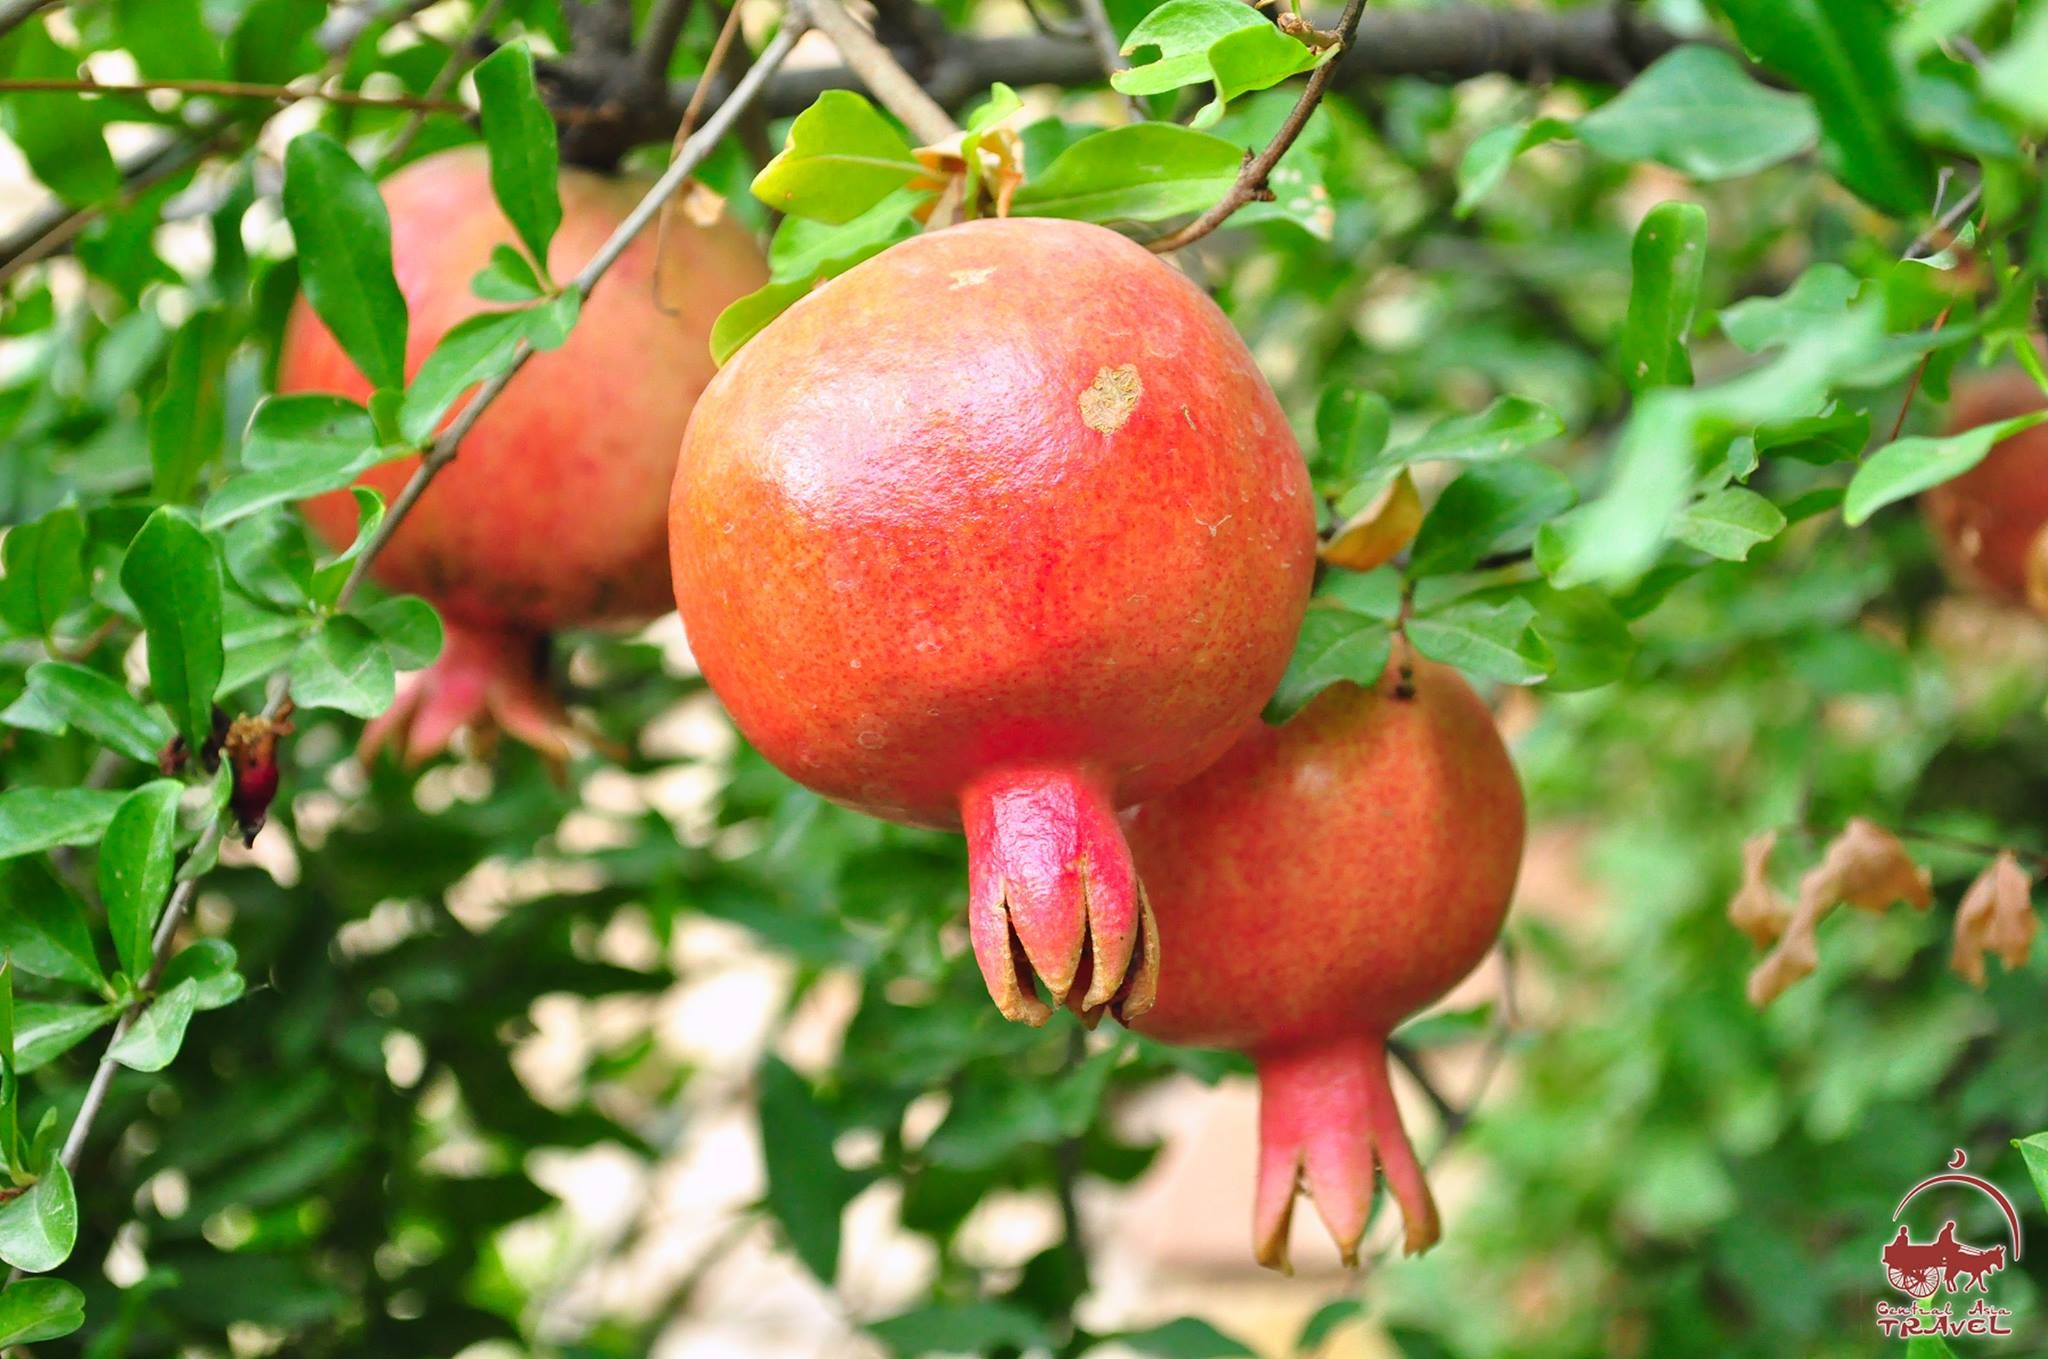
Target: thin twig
{"x":444,"y":80}
{"x":1102,"y":33}
{"x":885,"y":79}
{"x":692,"y":155}
{"x":228,"y":89}
{"x":727,"y":31}
{"x":13,"y":12}
{"x":1943,"y":228}
{"x":658,"y":41}
{"x":1251,"y":179}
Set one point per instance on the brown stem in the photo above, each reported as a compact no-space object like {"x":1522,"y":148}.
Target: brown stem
{"x":227,"y":89}
{"x":658,"y":41}
{"x":1251,"y":179}
{"x":890,"y":84}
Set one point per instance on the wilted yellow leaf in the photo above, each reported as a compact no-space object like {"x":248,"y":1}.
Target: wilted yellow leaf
{"x":1376,"y":533}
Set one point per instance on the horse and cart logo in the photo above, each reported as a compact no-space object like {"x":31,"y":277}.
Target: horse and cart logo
{"x":1920,"y":1269}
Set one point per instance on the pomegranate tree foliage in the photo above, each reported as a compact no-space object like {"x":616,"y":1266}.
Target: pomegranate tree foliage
{"x":1600,"y":354}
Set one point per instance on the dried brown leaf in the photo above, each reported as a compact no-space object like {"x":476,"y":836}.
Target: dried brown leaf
{"x":1996,"y":916}
{"x":1757,"y":909}
{"x":1866,"y":867}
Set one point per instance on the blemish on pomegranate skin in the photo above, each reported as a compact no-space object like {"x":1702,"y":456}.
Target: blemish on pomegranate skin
{"x":970,"y":278}
{"x":1107,"y":403}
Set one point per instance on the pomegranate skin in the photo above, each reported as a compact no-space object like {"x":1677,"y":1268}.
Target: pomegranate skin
{"x":1003,"y":525}
{"x":551,"y":515}
{"x":1988,"y":521}
{"x":1321,"y":882}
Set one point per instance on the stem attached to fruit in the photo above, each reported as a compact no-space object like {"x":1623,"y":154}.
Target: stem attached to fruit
{"x":1326,"y":1116}
{"x":1052,"y":896}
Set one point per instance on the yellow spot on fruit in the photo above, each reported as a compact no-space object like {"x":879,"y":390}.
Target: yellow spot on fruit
{"x":970,"y":278}
{"x":1107,"y":403}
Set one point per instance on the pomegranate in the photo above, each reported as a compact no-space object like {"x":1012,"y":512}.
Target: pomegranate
{"x":1000,"y":530}
{"x":551,"y":514}
{"x":1988,"y":521}
{"x":1321,"y":882}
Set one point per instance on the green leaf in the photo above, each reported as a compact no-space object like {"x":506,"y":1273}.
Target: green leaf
{"x":1728,"y":523}
{"x":267,"y":557}
{"x":1318,"y":1329}
{"x":274,"y":40}
{"x":186,"y":421}
{"x":1255,"y":59}
{"x":1494,"y":507}
{"x":35,"y":819}
{"x":39,"y":1309}
{"x":970,"y":1328}
{"x":1184,"y":1338}
{"x":843,"y":158}
{"x":476,"y":348}
{"x":1837,"y":52}
{"x":805,"y":253}
{"x":1930,"y":23}
{"x":1669,"y":258}
{"x":297,"y":446}
{"x":1821,"y":294}
{"x":507,"y":278}
{"x":168,"y":38}
{"x":332,"y":575}
{"x":1485,"y":162}
{"x":2034,"y":1151}
{"x":2013,"y":76}
{"x":1351,"y":429}
{"x":344,"y":238}
{"x":1483,"y":638}
{"x":208,"y":967}
{"x":99,"y":706}
{"x":136,"y":861}
{"x":1184,"y":31}
{"x":44,"y":561}
{"x":520,"y":133}
{"x":1140,"y":172}
{"x":44,"y":929}
{"x":38,"y":1229}
{"x":344,"y":666}
{"x":1506,"y":427}
{"x":11,"y":1158}
{"x":173,"y":574}
{"x":1335,"y":644}
{"x":1911,"y":465}
{"x":153,"y":1039}
{"x":408,"y":627}
{"x":1696,"y":110}
{"x":807,"y":1190}
{"x":61,"y":137}
{"x":45,"y":1032}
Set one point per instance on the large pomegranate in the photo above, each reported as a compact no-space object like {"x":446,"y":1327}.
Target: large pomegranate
{"x":1319,"y":883}
{"x":1989,"y":521}
{"x":551,"y":515}
{"x":1001,"y":529}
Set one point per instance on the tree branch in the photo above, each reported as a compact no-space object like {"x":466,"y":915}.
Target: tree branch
{"x":444,"y":80}
{"x":14,"y":12}
{"x":1251,"y":179}
{"x":884,"y":78}
{"x":233,"y":89}
{"x":658,"y":41}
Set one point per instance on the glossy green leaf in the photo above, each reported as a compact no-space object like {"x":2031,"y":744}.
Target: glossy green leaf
{"x":408,"y":627}
{"x":509,"y":277}
{"x":136,"y":861}
{"x":1491,"y":640}
{"x":186,"y":420}
{"x":274,"y":40}
{"x":1486,"y":161}
{"x":44,"y":1032}
{"x":156,"y":1034}
{"x":173,"y":573}
{"x":99,"y":706}
{"x":344,"y":238}
{"x":35,"y":819}
{"x":39,"y":1228}
{"x":1669,"y":258}
{"x":1911,"y":465}
{"x":45,"y":572}
{"x":2034,"y":1152}
{"x":62,"y":138}
{"x":477,"y":348}
{"x":1142,"y":172}
{"x":1819,"y":295}
{"x":1506,"y":427}
{"x":39,"y":1309}
{"x":968,"y":1328}
{"x":1493,"y":507}
{"x":1351,"y":429}
{"x":208,"y":967}
{"x":1335,"y":644}
{"x":1728,"y":523}
{"x":843,"y":158}
{"x":520,"y":133}
{"x":297,"y":446}
{"x":1184,"y":32}
{"x":44,"y":929}
{"x":343,"y":666}
{"x":1696,"y":110}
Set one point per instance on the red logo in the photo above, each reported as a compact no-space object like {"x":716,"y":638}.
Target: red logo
{"x":1919,"y":1269}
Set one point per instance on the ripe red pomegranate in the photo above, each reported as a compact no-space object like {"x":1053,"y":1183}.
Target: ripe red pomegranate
{"x":1989,"y":521}
{"x":1000,"y":530}
{"x":551,"y":515}
{"x":1324,"y":880}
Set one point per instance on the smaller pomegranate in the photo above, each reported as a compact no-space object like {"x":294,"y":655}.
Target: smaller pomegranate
{"x":1320,"y":883}
{"x":1989,"y":521}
